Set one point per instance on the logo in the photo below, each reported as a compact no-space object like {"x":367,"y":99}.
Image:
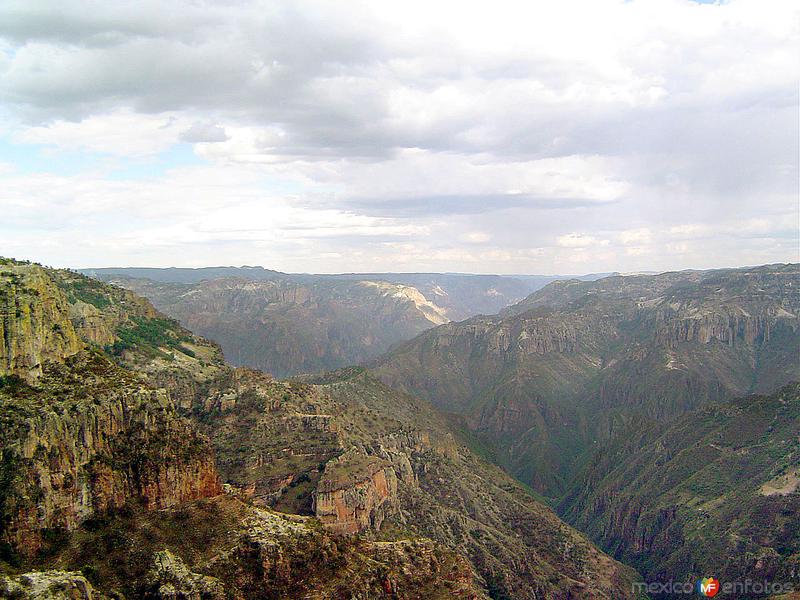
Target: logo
{"x":708,"y":587}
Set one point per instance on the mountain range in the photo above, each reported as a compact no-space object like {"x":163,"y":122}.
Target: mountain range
{"x":136,"y":462}
{"x":551,"y":377}
{"x":595,"y":435}
{"x":286,"y":324}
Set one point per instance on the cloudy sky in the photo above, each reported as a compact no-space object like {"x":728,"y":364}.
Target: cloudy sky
{"x":508,"y":137}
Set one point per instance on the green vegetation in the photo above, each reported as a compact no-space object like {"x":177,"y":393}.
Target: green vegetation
{"x":714,"y":492}
{"x":86,"y":290}
{"x":149,"y":336}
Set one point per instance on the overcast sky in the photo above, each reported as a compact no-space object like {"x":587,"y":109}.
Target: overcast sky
{"x":504,"y":137}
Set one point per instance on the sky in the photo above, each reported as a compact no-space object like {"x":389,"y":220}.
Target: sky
{"x":487,"y":137}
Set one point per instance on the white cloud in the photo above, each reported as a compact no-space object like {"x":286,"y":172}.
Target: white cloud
{"x":475,"y":237}
{"x":577,"y":240}
{"x":635,"y":236}
{"x":121,"y":133}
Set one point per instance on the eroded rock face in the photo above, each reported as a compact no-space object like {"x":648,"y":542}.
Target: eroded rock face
{"x":89,"y":437}
{"x":729,"y":325}
{"x":355,"y":493}
{"x":34,"y":321}
{"x":49,"y":585}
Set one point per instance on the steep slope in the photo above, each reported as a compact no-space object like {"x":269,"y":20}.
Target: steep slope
{"x":95,"y":436}
{"x":285,"y":327}
{"x":551,"y":376}
{"x":363,"y":458}
{"x":79,"y":434}
{"x":90,"y":448}
{"x":715,"y":492}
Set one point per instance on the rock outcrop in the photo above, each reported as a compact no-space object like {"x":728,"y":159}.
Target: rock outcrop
{"x":89,"y":437}
{"x":355,"y":493}
{"x":49,"y":585}
{"x":34,"y":321}
{"x":170,"y":579}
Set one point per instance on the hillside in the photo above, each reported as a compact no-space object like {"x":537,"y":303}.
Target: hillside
{"x":365,"y":459}
{"x":714,"y":492}
{"x":285,"y":327}
{"x":562,"y":370}
{"x":119,"y":427}
{"x":287,"y":324}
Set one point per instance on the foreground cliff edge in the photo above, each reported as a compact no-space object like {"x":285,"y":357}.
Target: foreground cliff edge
{"x":118,"y":429}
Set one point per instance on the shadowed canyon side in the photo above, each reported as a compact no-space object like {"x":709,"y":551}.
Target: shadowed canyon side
{"x":564,"y":369}
{"x":111,"y":410}
{"x":715,"y":491}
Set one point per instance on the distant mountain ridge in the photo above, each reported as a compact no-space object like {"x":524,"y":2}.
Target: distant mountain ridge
{"x":574,"y":361}
{"x":287,"y":324}
{"x":462,"y":295}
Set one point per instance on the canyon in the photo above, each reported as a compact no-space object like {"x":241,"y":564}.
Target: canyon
{"x":287,"y":324}
{"x":567,"y":368}
{"x":137,"y":462}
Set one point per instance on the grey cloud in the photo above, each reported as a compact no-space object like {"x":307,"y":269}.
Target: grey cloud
{"x":459,"y":204}
{"x":346,"y":88}
{"x":204,"y":132}
{"x":322,"y":73}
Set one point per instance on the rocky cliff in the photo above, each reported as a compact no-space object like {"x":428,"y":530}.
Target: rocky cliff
{"x":355,"y":493}
{"x":49,"y":585}
{"x":88,"y":438}
{"x":565,"y":368}
{"x":715,"y":491}
{"x":80,"y":434}
{"x":34,"y":321}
